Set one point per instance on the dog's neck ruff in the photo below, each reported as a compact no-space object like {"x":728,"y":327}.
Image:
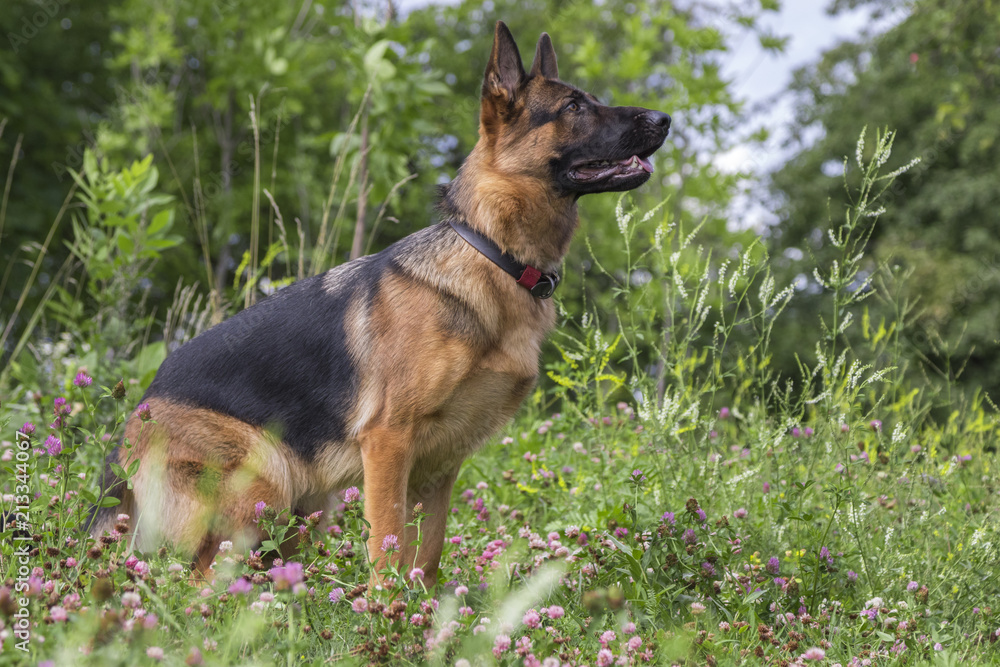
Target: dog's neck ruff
{"x":541,"y":285}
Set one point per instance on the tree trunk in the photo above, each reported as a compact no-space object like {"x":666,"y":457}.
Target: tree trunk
{"x":357,"y":247}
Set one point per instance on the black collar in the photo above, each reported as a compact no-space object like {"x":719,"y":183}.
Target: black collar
{"x":541,"y":285}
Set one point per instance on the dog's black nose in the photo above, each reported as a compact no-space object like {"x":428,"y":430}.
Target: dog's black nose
{"x":659,"y":119}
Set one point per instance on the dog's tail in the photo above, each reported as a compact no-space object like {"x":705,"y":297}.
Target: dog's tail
{"x":103,"y":518}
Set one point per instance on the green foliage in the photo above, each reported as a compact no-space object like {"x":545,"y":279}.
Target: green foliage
{"x":931,"y":76}
{"x":206,"y":73}
{"x":120,"y":233}
{"x":125,"y":222}
{"x":54,"y":84}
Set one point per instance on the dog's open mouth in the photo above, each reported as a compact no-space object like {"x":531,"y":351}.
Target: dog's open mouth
{"x":599,"y":170}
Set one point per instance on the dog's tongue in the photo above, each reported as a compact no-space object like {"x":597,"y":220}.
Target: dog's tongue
{"x":644,"y":163}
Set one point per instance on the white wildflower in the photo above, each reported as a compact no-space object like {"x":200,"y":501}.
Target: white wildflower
{"x":902,"y":170}
{"x":765,"y":290}
{"x":819,"y":279}
{"x":679,"y":283}
{"x":732,"y":284}
{"x":782,"y":297}
{"x":846,"y":322}
{"x":860,"y":148}
{"x":877,"y":375}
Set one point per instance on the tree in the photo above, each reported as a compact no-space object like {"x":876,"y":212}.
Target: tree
{"x":54,"y":83}
{"x":202,"y":75}
{"x":934,"y":77}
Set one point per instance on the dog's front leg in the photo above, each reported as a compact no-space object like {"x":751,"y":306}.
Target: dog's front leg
{"x":386,"y":454}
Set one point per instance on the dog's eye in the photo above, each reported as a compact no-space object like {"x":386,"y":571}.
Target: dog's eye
{"x":572,"y":107}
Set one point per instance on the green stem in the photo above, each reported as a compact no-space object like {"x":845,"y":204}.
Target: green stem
{"x":822,"y":542}
{"x":290,"y":654}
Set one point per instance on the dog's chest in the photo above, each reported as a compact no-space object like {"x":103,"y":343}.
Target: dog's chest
{"x":485,"y":396}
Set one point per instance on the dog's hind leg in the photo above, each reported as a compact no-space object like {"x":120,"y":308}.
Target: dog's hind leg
{"x":432,"y":489}
{"x":233,"y":515}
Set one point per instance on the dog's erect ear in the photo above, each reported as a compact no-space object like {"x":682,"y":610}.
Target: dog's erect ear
{"x":545,"y":59}
{"x":504,"y":75}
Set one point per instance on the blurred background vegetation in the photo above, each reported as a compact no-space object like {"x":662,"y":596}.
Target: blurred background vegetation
{"x":167,"y":164}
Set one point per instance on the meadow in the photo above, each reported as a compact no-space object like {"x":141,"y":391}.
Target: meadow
{"x":663,"y":497}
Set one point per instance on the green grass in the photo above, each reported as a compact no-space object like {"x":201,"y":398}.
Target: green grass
{"x":554,"y":515}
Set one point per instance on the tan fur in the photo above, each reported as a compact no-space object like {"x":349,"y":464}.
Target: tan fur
{"x":431,"y":398}
{"x":201,"y":473}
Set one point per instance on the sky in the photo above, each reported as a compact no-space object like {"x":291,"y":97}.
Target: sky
{"x":760,"y":78}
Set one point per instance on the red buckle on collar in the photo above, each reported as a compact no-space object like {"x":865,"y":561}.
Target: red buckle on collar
{"x":529,"y":278}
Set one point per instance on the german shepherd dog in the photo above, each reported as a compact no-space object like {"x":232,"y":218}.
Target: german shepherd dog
{"x":391,"y":369}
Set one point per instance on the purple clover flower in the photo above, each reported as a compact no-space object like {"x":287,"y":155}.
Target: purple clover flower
{"x":53,"y":445}
{"x":286,"y":575}
{"x":390,"y":543}
{"x":240,"y":587}
{"x":82,"y":380}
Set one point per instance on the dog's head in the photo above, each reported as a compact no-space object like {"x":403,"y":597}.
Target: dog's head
{"x":537,"y":125}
